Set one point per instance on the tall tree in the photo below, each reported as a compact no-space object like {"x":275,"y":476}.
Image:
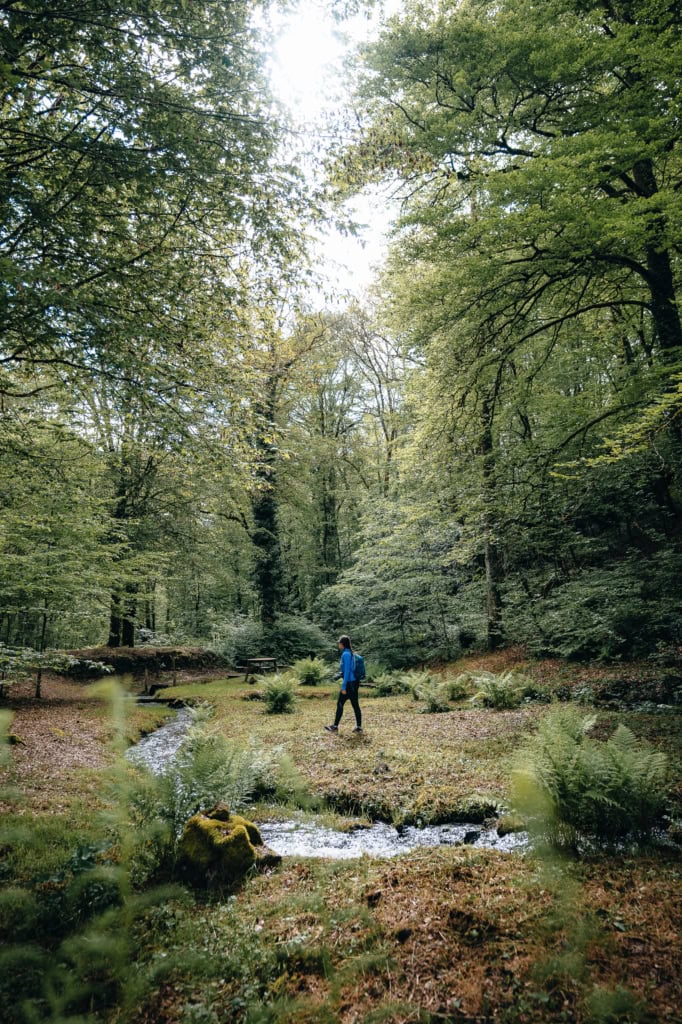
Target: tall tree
{"x":539,"y":152}
{"x":137,"y":150}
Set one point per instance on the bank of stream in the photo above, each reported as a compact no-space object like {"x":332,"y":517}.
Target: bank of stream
{"x":293,"y":838}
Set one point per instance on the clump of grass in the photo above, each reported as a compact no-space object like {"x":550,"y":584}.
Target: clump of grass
{"x":615,"y":1005}
{"x":569,"y":785}
{"x":310,"y":671}
{"x":279,"y":695}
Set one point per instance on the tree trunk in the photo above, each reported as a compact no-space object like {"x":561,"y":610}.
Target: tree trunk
{"x":265,"y":534}
{"x":661,"y":280}
{"x":265,"y":537}
{"x":41,"y":647}
{"x":330,"y":528}
{"x":494,"y":568}
{"x":122,"y":618}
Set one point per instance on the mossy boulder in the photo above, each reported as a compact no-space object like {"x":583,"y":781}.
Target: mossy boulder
{"x":219,"y":847}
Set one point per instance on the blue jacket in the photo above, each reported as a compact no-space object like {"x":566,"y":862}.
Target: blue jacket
{"x":347,"y":669}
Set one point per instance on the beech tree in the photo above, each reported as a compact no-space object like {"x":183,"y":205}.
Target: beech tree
{"x":536,"y":268}
{"x":138,"y":153}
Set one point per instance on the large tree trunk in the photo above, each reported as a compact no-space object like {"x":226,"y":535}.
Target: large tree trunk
{"x":329,"y":540}
{"x":660,"y":278}
{"x":265,"y":537}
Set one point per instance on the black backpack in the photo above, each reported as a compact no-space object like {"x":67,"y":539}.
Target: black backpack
{"x":358,"y":667}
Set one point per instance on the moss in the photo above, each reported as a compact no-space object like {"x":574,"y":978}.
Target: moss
{"x":221,"y":812}
{"x":251,"y":830}
{"x":510,"y":823}
{"x":219,"y":846}
{"x":442,"y":805}
{"x":213,"y":850}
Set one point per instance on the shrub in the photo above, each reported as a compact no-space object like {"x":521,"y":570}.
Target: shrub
{"x":432,"y":693}
{"x":278,"y":694}
{"x":237,"y":639}
{"x":310,"y":671}
{"x":292,"y":637}
{"x":390,"y":684}
{"x":569,"y":784}
{"x":458,"y":687}
{"x":498,"y":691}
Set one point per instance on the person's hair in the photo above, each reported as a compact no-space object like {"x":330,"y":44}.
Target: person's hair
{"x":345,"y":640}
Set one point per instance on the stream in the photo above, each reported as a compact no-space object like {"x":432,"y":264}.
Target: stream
{"x":159,"y":747}
{"x":309,"y":839}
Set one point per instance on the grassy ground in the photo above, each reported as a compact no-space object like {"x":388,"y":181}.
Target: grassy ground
{"x":456,"y":935}
{"x":404,"y":766}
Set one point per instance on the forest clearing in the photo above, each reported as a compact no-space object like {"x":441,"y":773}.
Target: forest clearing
{"x":453,"y":933}
{"x":340,"y":511}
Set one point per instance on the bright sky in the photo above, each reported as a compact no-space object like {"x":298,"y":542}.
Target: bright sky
{"x":307,"y":75}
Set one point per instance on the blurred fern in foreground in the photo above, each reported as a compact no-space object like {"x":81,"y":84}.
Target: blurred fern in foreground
{"x":568,"y":784}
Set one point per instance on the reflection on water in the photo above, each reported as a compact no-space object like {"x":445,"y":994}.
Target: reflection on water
{"x":295,"y":839}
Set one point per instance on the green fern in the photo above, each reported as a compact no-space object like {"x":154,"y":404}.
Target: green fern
{"x":458,"y":687}
{"x":414,"y":682}
{"x":206,"y":770}
{"x":390,"y":684}
{"x":431,"y":692}
{"x":279,"y":695}
{"x":569,"y":784}
{"x":501,"y":692}
{"x":310,"y":671}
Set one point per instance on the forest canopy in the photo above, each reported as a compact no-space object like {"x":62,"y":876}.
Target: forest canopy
{"x":484,"y":451}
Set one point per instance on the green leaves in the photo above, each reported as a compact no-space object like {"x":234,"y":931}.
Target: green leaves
{"x":534,"y":269}
{"x":571,"y":785}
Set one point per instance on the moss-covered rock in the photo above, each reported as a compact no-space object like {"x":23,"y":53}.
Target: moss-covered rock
{"x":219,"y":847}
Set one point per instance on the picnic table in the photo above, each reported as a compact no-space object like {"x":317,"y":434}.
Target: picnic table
{"x":256,"y":666}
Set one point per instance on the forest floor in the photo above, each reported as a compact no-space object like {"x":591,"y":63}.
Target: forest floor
{"x":446,"y":934}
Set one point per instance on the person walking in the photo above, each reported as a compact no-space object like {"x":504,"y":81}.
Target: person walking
{"x":349,"y":686}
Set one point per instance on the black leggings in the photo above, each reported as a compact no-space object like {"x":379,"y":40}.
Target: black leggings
{"x":351,"y":694}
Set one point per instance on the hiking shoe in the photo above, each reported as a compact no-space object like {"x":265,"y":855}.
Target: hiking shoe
{"x":331,"y":728}
{"x":358,"y":728}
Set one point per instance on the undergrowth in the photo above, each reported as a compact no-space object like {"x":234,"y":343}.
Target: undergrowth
{"x":569,"y":784}
{"x":310,"y":671}
{"x":279,"y":694}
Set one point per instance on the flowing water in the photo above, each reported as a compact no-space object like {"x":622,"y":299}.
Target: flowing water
{"x":156,"y":750}
{"x":295,"y":839}
{"x":308,"y":839}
